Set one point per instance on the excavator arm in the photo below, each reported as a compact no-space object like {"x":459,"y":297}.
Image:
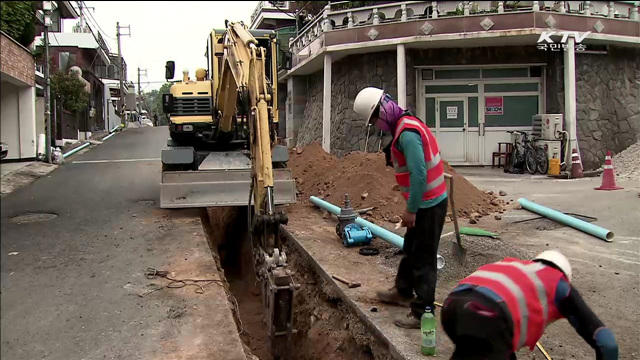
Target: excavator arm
{"x":244,"y":85}
{"x":242,"y":109}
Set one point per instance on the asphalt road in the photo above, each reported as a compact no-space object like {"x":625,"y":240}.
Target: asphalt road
{"x":71,"y":285}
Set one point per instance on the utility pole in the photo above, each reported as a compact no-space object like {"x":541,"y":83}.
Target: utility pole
{"x":81,"y":6}
{"x":46,"y":7}
{"x":81,"y":16}
{"x":121,"y":71}
{"x":140,"y":90}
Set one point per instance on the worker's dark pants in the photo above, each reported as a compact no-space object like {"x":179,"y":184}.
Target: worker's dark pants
{"x":418,"y":271}
{"x":479,"y":327}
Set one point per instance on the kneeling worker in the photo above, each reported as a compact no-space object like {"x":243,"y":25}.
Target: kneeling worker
{"x":505,"y":306}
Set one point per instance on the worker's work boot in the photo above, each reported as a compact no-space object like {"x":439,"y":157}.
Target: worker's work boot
{"x":392,"y":296}
{"x":408,"y":321}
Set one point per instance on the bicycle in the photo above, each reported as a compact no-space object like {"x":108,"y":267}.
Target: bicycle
{"x":523,"y":152}
{"x":542,"y":160}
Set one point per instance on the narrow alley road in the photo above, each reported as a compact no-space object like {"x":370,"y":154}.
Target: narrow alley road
{"x":72,"y":285}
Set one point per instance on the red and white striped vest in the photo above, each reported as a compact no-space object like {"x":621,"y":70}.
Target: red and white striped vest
{"x":528,"y":289}
{"x":436,"y":185}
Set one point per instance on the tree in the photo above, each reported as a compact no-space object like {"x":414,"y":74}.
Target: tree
{"x":18,"y":20}
{"x":157,"y":104}
{"x":72,"y":90}
{"x":38,"y":52}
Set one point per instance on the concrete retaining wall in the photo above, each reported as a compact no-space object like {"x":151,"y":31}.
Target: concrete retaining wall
{"x":608,"y":103}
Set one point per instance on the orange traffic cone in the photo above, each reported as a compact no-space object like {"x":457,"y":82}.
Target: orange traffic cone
{"x":608,"y":177}
{"x":576,"y":167}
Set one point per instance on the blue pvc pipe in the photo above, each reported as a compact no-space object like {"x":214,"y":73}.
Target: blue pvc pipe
{"x":384,"y":234}
{"x":76,"y":150}
{"x":565,"y":219}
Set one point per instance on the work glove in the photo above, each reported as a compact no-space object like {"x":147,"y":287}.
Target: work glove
{"x":387,"y":154}
{"x":606,"y":343}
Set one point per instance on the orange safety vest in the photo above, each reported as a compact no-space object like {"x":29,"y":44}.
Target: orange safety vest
{"x":528,"y":289}
{"x":436,"y":185}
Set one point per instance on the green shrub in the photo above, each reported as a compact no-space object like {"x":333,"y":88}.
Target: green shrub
{"x":18,"y":20}
{"x":72,"y":90}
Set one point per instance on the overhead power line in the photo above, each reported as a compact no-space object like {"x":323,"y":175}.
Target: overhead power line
{"x":93,"y":23}
{"x":103,"y":33}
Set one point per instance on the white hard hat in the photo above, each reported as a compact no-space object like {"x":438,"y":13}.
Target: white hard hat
{"x":556,"y":258}
{"x":366,"y":101}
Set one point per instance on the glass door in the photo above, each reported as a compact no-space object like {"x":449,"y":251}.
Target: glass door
{"x":451,"y":127}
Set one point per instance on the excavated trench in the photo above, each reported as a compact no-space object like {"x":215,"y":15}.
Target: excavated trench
{"x":327,"y":327}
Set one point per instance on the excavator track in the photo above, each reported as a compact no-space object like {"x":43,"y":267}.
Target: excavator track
{"x":244,"y":157}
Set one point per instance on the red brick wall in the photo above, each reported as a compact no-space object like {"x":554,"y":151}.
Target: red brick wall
{"x":85,"y":59}
{"x":16,"y":61}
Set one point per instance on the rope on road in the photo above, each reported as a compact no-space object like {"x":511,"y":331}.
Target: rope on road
{"x":152,"y":273}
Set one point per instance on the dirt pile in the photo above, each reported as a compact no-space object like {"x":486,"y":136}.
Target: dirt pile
{"x":626,"y":164}
{"x":370,"y":183}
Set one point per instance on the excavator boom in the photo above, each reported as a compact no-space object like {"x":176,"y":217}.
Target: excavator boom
{"x":255,"y":175}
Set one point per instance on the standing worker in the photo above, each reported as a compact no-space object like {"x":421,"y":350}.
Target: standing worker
{"x":420,"y":175}
{"x":505,"y":306}
{"x":155,"y":119}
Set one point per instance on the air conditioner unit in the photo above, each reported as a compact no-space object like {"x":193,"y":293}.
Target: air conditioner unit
{"x":547,"y":126}
{"x":553,"y":148}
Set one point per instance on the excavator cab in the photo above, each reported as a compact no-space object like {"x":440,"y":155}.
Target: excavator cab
{"x":207,"y":161}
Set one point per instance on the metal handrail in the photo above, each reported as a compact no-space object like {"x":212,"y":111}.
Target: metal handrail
{"x":332,"y":14}
{"x":309,"y":25}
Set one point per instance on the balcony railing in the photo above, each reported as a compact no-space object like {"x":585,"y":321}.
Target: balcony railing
{"x":282,"y":5}
{"x":333,"y":19}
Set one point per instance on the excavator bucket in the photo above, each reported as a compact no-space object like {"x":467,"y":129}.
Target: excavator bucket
{"x":221,"y":179}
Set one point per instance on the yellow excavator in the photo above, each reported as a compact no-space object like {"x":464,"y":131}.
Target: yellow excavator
{"x":224,"y":151}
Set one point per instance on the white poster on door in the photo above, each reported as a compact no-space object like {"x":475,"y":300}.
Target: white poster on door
{"x":452,"y":112}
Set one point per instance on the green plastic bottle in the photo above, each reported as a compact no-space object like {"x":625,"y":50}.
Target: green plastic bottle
{"x":428,"y":329}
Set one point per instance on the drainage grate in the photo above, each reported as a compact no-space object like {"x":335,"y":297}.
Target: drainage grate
{"x":33,"y":217}
{"x":147,"y":202}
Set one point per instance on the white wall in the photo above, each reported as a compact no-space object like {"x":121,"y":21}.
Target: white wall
{"x":40,"y":115}
{"x":111,"y":117}
{"x":114,"y":119}
{"x":18,"y":120}
{"x":27,"y":108}
{"x":9,"y":124}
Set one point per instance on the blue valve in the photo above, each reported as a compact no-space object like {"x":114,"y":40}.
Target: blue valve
{"x":355,"y":235}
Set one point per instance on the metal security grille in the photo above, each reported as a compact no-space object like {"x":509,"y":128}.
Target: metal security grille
{"x":185,"y":106}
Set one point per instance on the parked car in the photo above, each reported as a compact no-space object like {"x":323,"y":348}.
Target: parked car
{"x":4,"y":150}
{"x":145,"y":121}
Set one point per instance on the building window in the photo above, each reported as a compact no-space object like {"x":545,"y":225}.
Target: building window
{"x":431,"y":112}
{"x":517,"y":111}
{"x":535,"y":71}
{"x":66,"y":61}
{"x":505,"y":73}
{"x":458,"y":74}
{"x":427,"y":74}
{"x":451,"y":89}
{"x":56,"y":24}
{"x":473,"y":111}
{"x":517,"y":87}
